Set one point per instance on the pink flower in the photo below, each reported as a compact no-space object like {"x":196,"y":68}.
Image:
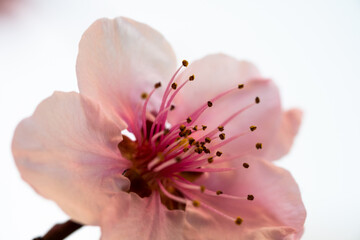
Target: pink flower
{"x":199,"y":167}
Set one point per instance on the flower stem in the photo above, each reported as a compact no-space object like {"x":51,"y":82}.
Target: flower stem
{"x":60,"y":231}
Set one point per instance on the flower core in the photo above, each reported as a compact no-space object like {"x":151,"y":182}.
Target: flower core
{"x":169,"y":159}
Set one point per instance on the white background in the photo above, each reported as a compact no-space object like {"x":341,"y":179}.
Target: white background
{"x":310,"y":48}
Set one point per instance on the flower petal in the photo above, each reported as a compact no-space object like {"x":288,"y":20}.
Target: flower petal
{"x":120,"y":59}
{"x":67,"y":151}
{"x":217,"y":73}
{"x":284,"y":138}
{"x":277,"y":203}
{"x":141,"y":219}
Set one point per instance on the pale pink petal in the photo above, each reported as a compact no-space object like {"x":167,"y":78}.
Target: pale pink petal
{"x":118,"y":60}
{"x":277,"y":201}
{"x":215,"y":74}
{"x":134,"y":218}
{"x":284,"y":138}
{"x":67,"y":151}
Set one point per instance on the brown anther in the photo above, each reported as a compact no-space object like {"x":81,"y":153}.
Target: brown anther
{"x":188,"y":132}
{"x":199,"y":150}
{"x":166,"y":131}
{"x":174,"y":86}
{"x":253,"y":128}
{"x":202,"y":188}
{"x":144,"y":95}
{"x":219,"y":192}
{"x":206,"y":150}
{"x":218,"y":153}
{"x":196,"y":203}
{"x":191,"y":141}
{"x":246,"y":165}
{"x":185,"y":149}
{"x":178,"y":138}
{"x":157,"y":85}
{"x":192,"y":77}
{"x":221,"y":128}
{"x":188,"y":120}
{"x":202,"y":144}
{"x":250,"y":197}
{"x":185,"y":63}
{"x":258,"y":146}
{"x":182,"y":134}
{"x":209,"y":103}
{"x":210,"y":159}
{"x":238,"y":220}
{"x":222,"y":136}
{"x":208,"y":140}
{"x":240,"y":86}
{"x":172,"y":107}
{"x":197,"y":144}
{"x":257,"y":100}
{"x":204,"y":127}
{"x":195,"y":128}
{"x":178,"y":159}
{"x":182,"y":127}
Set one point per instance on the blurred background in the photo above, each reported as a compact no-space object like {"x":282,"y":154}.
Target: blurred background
{"x":310,"y":48}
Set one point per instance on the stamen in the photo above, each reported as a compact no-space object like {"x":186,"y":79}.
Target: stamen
{"x":219,"y":192}
{"x":202,"y":188}
{"x":221,"y":128}
{"x":238,"y":220}
{"x":144,"y":95}
{"x":169,"y":195}
{"x":157,"y":85}
{"x":222,"y":136}
{"x":174,"y":86}
{"x":208,"y":140}
{"x":195,"y":128}
{"x":172,"y":107}
{"x":218,"y":153}
{"x":257,"y":100}
{"x":192,"y":77}
{"x":209,"y":103}
{"x":196,"y":203}
{"x":188,"y":120}
{"x":210,"y":159}
{"x":253,"y":128}
{"x":185,"y":63}
{"x":258,"y":146}
{"x":250,"y":197}
{"x":240,"y":86}
{"x":246,"y":165}
{"x":204,"y":127}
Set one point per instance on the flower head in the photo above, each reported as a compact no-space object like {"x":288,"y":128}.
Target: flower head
{"x":197,"y":163}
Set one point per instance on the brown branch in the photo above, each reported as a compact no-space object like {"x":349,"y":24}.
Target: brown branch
{"x":60,"y":231}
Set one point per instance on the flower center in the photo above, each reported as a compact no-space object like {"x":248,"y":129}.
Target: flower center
{"x":170,"y":160}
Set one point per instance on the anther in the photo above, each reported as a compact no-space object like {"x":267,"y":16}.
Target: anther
{"x":166,"y":131}
{"x":191,"y":141}
{"x":202,"y":188}
{"x":219,"y":192}
{"x":157,"y":85}
{"x":221,"y":128}
{"x":240,"y":86}
{"x":185,"y":149}
{"x":246,"y":165}
{"x":204,"y":127}
{"x":199,"y":150}
{"x":210,"y":159}
{"x":257,"y":100}
{"x":209,"y":103}
{"x":188,"y":132}
{"x":218,"y":153}
{"x":208,"y":140}
{"x":195,"y":128}
{"x":258,"y":146}
{"x":238,"y":220}
{"x":182,"y":127}
{"x":174,"y":86}
{"x":196,"y":203}
{"x":191,"y":78}
{"x":185,"y":63}
{"x":206,"y":150}
{"x":250,"y":197}
{"x":253,"y":128}
{"x":144,"y":95}
{"x":188,"y":120}
{"x":222,"y":136}
{"x":178,"y":159}
{"x":172,"y":107}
